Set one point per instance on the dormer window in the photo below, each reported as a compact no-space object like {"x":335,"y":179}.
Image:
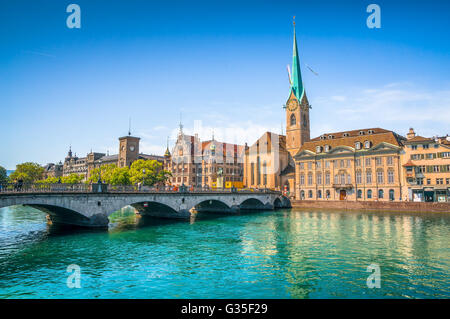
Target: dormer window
{"x":346,"y":135}
{"x":367,"y":144}
{"x":358,"y":145}
{"x":330,"y":137}
{"x":327,"y":148}
{"x":318,"y":149}
{"x":323,"y":137}
{"x":361,"y":132}
{"x":370,"y":131}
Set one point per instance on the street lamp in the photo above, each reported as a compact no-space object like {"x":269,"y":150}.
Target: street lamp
{"x":143,"y":176}
{"x":99,"y":171}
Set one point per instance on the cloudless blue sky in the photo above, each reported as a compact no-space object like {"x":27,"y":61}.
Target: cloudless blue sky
{"x":219,"y":62}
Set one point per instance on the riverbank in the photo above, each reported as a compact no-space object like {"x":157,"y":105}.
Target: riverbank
{"x":358,"y":205}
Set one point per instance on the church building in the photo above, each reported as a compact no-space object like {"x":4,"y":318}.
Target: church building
{"x":269,"y":162}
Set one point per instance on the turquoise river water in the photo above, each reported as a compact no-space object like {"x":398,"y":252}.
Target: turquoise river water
{"x":266,"y":254}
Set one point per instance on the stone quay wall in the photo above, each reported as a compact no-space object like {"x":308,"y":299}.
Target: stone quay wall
{"x":373,"y":205}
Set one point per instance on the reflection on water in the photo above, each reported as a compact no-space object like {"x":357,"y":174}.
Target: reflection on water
{"x":282,"y":254}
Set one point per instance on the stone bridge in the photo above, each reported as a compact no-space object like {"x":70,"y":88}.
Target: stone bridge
{"x":92,"y":209}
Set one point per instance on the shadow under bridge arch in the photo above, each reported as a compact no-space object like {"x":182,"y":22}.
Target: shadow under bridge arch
{"x":253,"y":203}
{"x":66,"y":216}
{"x":214,"y":206}
{"x":157,"y":209}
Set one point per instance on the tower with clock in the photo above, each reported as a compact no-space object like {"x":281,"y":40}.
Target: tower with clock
{"x":128,"y":150}
{"x":297,"y":108}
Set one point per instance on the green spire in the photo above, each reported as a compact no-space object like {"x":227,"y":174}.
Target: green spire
{"x":296,"y":81}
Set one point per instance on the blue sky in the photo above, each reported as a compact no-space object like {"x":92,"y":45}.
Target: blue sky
{"x":221,"y":64}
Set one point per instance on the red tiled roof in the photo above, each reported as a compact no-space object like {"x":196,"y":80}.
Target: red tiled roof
{"x":409,"y":164}
{"x":349,"y":138}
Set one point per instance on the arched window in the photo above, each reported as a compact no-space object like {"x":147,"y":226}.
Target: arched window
{"x":359,"y":193}
{"x":319,"y":194}
{"x":328,"y":193}
{"x":305,"y":122}
{"x":369,"y":193}
{"x":391,"y":194}
{"x":302,"y":194}
{"x":310,"y":194}
{"x":380,"y":193}
{"x":293,"y":120}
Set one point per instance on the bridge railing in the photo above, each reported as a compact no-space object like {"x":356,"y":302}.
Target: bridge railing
{"x":16,"y":188}
{"x":43,"y":188}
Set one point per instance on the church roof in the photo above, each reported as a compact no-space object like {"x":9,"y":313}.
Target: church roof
{"x":296,"y":79}
{"x":270,"y":138}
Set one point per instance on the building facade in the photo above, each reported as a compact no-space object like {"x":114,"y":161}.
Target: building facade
{"x":426,"y":168}
{"x":208,"y":164}
{"x":75,"y":165}
{"x":354,"y":165}
{"x":53,"y":170}
{"x":268,"y":164}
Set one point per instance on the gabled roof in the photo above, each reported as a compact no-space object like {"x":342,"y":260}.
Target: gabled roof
{"x":348,"y":139}
{"x":271,"y":139}
{"x":418,"y":138}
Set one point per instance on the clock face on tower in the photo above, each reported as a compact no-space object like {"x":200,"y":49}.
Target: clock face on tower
{"x":132,"y":148}
{"x":292,"y":105}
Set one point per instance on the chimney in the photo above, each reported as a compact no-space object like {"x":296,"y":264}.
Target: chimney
{"x":411,"y":134}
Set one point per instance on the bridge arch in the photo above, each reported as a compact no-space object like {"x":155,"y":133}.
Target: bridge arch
{"x":60,"y":214}
{"x":212,"y":206}
{"x":252,"y":203}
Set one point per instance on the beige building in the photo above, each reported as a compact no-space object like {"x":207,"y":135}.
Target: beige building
{"x":268,"y":164}
{"x":426,"y":168}
{"x":75,"y":165}
{"x":354,"y":165}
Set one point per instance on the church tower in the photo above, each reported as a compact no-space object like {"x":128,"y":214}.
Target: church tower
{"x":297,"y":108}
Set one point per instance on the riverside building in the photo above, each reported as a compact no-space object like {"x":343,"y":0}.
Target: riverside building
{"x":426,"y":168}
{"x":208,"y":164}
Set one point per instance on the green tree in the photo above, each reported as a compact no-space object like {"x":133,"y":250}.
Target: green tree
{"x":28,"y":172}
{"x":152,"y":170}
{"x":120,"y":176}
{"x":3,"y":176}
{"x":106,"y":173}
{"x":72,"y":179}
{"x":48,"y":180}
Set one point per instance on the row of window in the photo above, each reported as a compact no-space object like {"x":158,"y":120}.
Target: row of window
{"x":209,"y":170}
{"x":359,"y":194}
{"x":429,"y":169}
{"x":439,"y":181}
{"x":347,"y":179}
{"x":331,"y":136}
{"x":424,"y":146}
{"x":199,"y":180}
{"x":429,"y":156}
{"x":358,"y":146}
{"x":343,"y":163}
